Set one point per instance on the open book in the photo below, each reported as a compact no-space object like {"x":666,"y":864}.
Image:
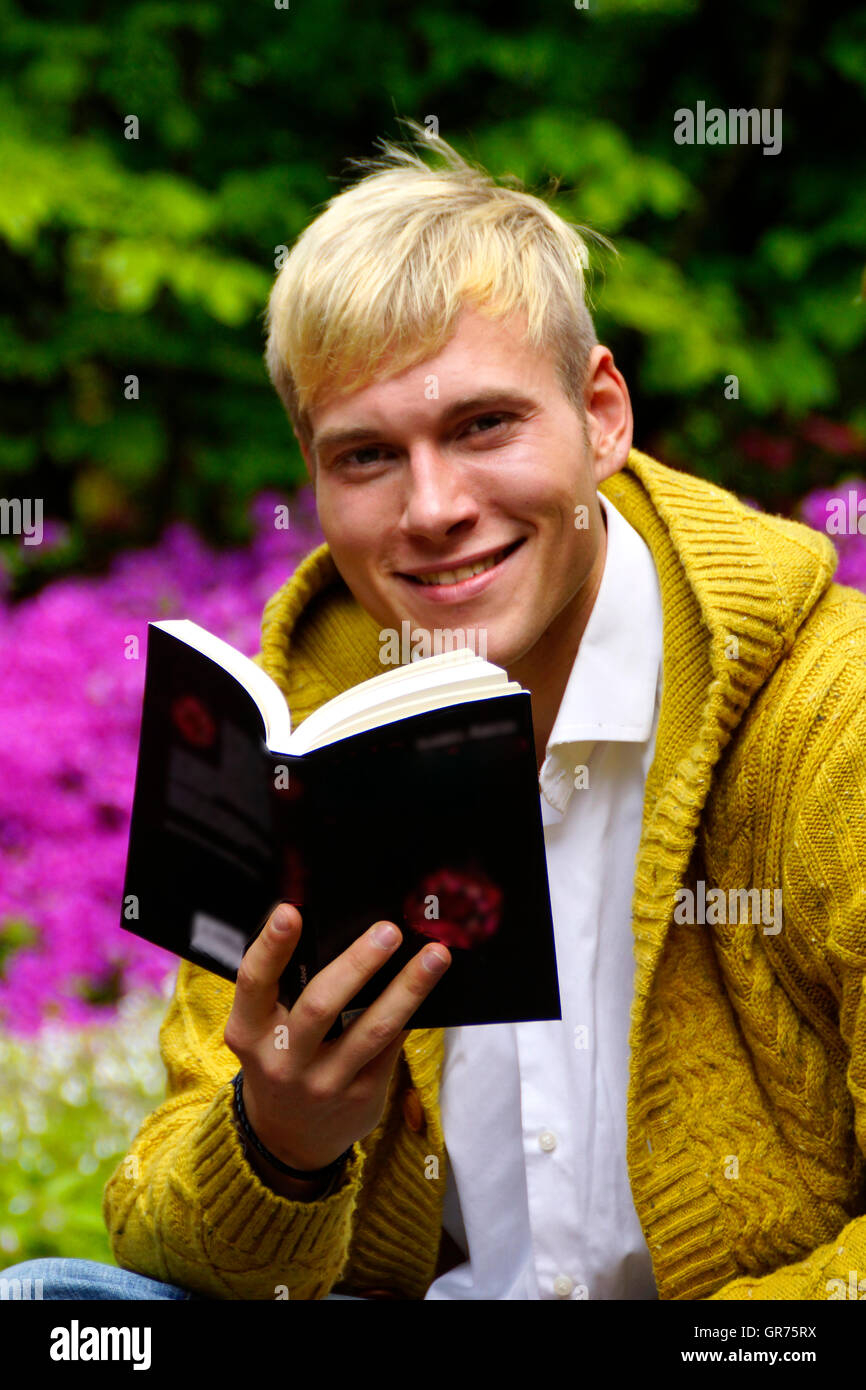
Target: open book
{"x":411,"y":798}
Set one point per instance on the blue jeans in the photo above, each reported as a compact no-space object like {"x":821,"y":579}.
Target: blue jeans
{"x":86,"y":1279}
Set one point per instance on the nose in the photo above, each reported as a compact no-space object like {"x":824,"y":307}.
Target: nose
{"x":438,"y":502}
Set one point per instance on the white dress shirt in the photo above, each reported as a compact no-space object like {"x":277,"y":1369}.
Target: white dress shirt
{"x":534,"y":1114}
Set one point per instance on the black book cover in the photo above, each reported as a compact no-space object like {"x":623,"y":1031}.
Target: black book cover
{"x":431,"y":821}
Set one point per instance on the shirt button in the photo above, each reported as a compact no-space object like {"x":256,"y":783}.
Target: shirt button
{"x":563,"y":1286}
{"x":547,"y":1140}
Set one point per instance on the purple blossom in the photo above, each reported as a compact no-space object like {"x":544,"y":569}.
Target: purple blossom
{"x":821,"y":510}
{"x":70,"y":706}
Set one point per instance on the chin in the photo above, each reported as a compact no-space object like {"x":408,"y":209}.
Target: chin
{"x":502,"y":652}
{"x":511,"y":653}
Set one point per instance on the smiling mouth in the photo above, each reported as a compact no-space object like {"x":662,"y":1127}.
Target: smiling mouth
{"x":462,"y":572}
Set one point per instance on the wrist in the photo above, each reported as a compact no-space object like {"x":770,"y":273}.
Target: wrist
{"x":293,"y":1189}
{"x":278,"y":1175}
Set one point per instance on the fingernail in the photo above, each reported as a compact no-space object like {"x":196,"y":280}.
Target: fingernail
{"x":281,"y":921}
{"x":384,"y":935}
{"x":433,"y":961}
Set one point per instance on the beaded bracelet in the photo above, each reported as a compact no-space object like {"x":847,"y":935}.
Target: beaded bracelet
{"x":310,"y":1175}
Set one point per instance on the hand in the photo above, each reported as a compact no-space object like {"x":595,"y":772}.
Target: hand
{"x":310,"y":1101}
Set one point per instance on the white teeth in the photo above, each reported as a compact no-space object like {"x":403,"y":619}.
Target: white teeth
{"x":465,"y":571}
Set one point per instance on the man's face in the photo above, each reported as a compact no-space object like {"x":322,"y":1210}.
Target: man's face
{"x":473,"y":458}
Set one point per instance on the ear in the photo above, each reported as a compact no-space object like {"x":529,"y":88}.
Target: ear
{"x":609,"y":419}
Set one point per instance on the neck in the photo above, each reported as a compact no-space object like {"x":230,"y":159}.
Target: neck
{"x":544,"y":671}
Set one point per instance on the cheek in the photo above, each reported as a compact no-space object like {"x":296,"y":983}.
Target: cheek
{"x":547,"y":507}
{"x":344,"y":526}
{"x":535,"y":483}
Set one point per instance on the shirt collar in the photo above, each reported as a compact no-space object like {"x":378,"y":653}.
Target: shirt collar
{"x":612,"y":691}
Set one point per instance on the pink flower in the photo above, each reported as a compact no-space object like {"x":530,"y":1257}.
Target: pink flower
{"x":71,"y":681}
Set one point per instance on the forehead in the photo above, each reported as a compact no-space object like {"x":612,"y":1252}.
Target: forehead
{"x":484,"y":355}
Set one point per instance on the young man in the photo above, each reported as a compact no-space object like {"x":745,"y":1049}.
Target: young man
{"x":694,"y":1126}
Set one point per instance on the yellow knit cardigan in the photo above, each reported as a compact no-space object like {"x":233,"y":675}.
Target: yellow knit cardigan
{"x":747,"y":1093}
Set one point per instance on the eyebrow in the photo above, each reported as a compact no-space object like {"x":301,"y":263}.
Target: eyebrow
{"x":481,"y":400}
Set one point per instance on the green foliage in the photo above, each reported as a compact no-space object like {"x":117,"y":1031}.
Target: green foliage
{"x":71,"y":1103}
{"x":152,"y":257}
{"x":15,"y":933}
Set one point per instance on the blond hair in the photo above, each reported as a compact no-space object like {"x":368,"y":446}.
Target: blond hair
{"x":375,"y":283}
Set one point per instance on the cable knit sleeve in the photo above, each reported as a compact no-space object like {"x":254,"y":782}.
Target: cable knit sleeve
{"x":184,"y":1207}
{"x":823,"y":869}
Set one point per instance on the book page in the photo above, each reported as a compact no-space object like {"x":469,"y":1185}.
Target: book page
{"x":402,"y":709}
{"x":265,"y":692}
{"x":436,"y":681}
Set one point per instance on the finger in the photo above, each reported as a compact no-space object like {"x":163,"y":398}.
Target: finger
{"x":257,"y":987}
{"x":333,"y":987}
{"x":384,"y":1022}
{"x":383,"y":1065}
